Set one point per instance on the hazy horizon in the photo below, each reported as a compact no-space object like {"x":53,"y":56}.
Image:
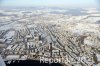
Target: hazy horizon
{"x":49,"y":3}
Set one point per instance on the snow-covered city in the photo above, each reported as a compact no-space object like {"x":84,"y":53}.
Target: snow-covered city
{"x":32,"y":33}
